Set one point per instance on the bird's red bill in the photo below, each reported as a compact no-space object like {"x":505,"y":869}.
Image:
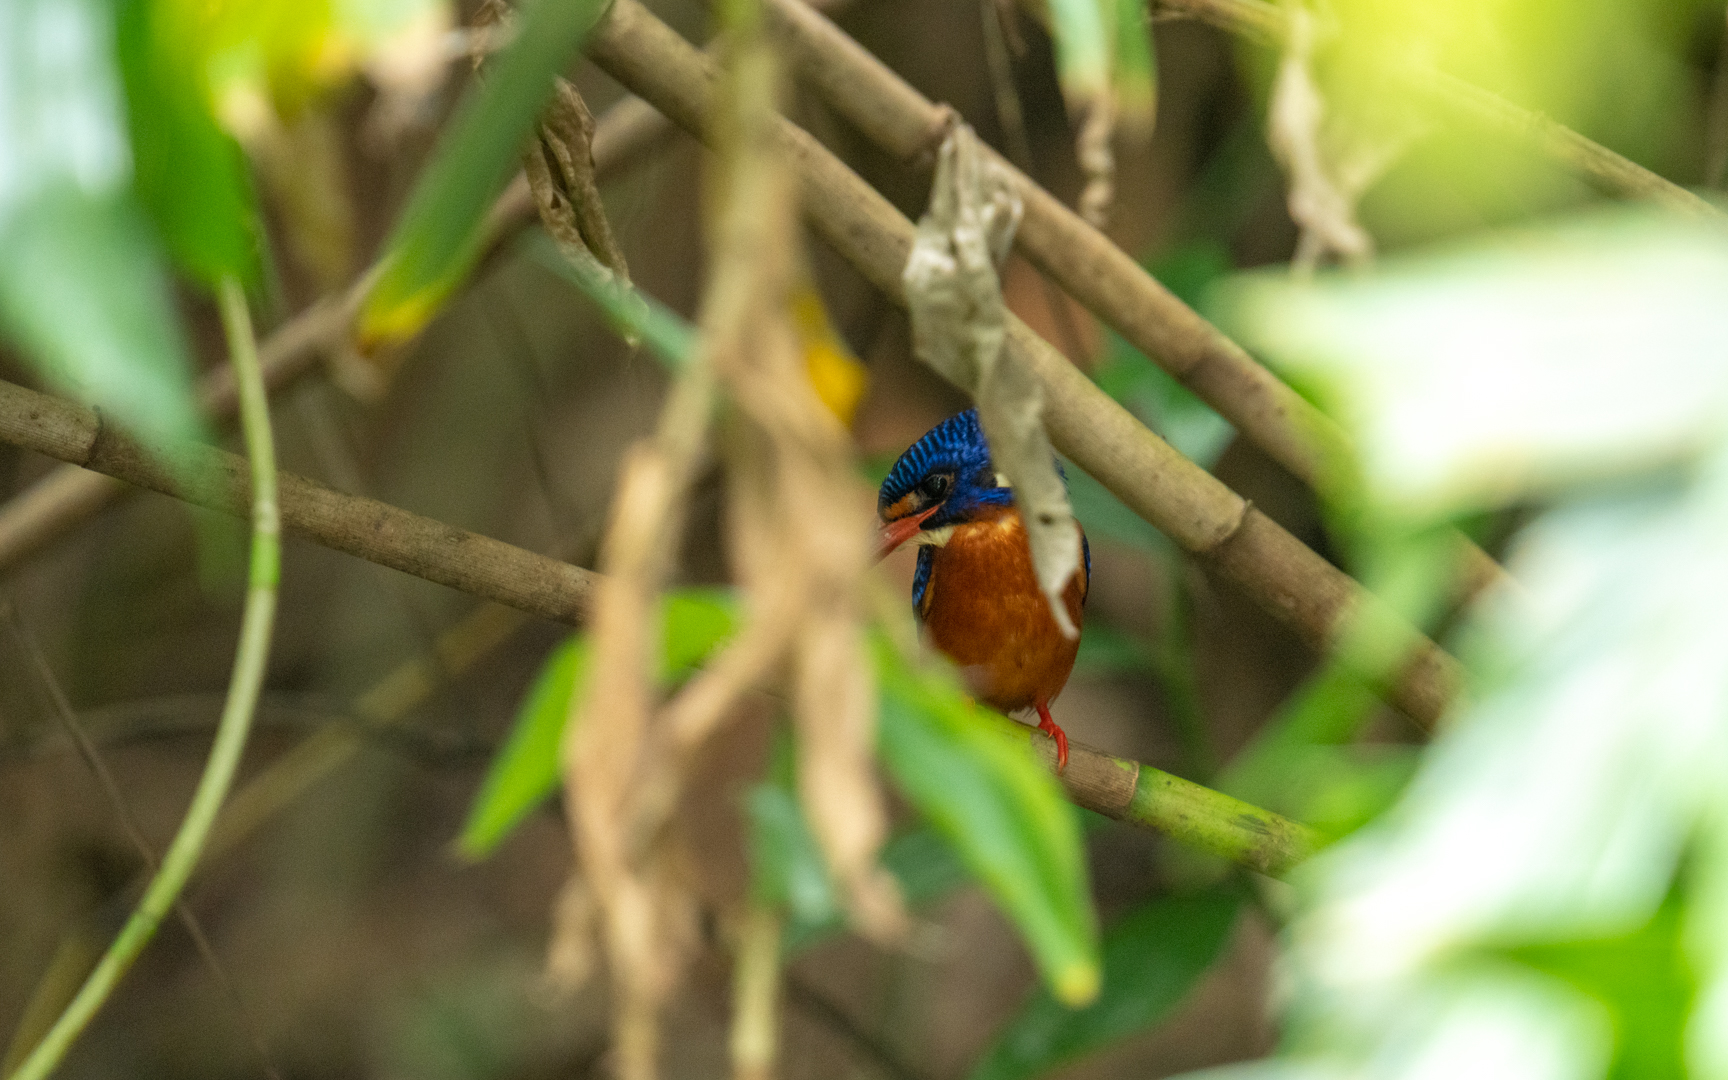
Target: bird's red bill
{"x":897,"y":532}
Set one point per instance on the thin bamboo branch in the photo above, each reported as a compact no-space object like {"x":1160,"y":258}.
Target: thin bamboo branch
{"x":1180,"y":809}
{"x":1211,"y":522}
{"x":1268,"y":23}
{"x":374,"y":531}
{"x":251,"y":657}
{"x":1088,"y":265}
{"x":59,"y":501}
{"x":1120,"y":789}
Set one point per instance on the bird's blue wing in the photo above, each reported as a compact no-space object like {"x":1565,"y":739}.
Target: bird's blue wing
{"x":1085,"y":567}
{"x":921,"y":579}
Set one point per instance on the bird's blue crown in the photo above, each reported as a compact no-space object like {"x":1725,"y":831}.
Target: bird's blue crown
{"x":951,"y":465}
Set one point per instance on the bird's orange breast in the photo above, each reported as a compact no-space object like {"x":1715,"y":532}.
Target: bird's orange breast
{"x":983,"y":608}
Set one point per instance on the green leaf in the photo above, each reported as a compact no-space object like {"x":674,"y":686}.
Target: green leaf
{"x":1082,"y":37}
{"x":1105,"y":649}
{"x":985,"y":794}
{"x":81,"y":286}
{"x":1152,"y":957}
{"x":632,"y":312}
{"x":1004,"y":814}
{"x":1190,"y":270}
{"x":190,"y":173}
{"x":525,"y":772}
{"x":924,"y":864}
{"x":787,"y":867}
{"x":1135,"y":75}
{"x":921,"y":861}
{"x":696,"y":622}
{"x":1339,"y":789}
{"x":437,"y":238}
{"x":1328,"y":709}
{"x":1646,"y":981}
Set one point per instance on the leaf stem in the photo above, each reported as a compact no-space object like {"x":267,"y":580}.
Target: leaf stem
{"x":248,"y":677}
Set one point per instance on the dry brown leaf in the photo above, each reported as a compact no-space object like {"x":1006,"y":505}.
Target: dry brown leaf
{"x":567,"y":139}
{"x":1321,"y":207}
{"x":644,"y":901}
{"x":799,"y":523}
{"x":800,"y":530}
{"x":958,"y":326}
{"x":1097,"y":157}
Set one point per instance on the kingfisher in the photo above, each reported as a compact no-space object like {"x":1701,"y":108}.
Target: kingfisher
{"x":975,"y":590}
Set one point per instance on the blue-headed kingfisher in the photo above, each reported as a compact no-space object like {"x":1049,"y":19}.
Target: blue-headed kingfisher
{"x":975,"y":590}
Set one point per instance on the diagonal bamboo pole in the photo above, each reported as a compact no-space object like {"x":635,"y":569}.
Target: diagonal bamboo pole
{"x":1226,"y":534}
{"x":374,"y":531}
{"x":1088,"y":265}
{"x":68,"y":495}
{"x":377,"y":532}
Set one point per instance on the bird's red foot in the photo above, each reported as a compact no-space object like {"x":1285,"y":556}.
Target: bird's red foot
{"x":1048,"y":727}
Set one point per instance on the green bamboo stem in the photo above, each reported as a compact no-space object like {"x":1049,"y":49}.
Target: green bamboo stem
{"x":1214,"y":822}
{"x":1186,"y":812}
{"x":243,"y":688}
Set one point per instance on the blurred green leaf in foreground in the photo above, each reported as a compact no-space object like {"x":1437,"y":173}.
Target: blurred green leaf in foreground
{"x":1577,"y":802}
{"x":82,"y":289}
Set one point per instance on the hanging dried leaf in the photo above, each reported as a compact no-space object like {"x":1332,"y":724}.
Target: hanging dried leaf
{"x":800,"y":542}
{"x":645,"y":910}
{"x":1320,"y":205}
{"x":566,"y":162}
{"x":1097,"y":161}
{"x":800,"y":523}
{"x":560,"y":170}
{"x":958,"y":327}
{"x":1084,"y":34}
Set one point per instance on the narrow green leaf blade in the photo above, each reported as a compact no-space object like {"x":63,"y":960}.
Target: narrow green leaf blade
{"x":524,"y":773}
{"x":437,"y":238}
{"x":1083,"y":48}
{"x":696,"y":622}
{"x":1004,"y":815}
{"x":1152,"y":958}
{"x":668,"y":337}
{"x":787,"y":867}
{"x":1135,"y":74}
{"x":81,"y":287}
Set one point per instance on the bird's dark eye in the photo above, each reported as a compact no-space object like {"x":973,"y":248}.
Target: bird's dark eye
{"x":935,"y":486}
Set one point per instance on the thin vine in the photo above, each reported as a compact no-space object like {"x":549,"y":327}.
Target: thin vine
{"x":243,"y":688}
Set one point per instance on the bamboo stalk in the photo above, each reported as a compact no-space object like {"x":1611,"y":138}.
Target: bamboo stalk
{"x":1180,"y":809}
{"x":480,"y":566}
{"x":1089,"y":266}
{"x":1292,"y":583}
{"x":371,"y":530}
